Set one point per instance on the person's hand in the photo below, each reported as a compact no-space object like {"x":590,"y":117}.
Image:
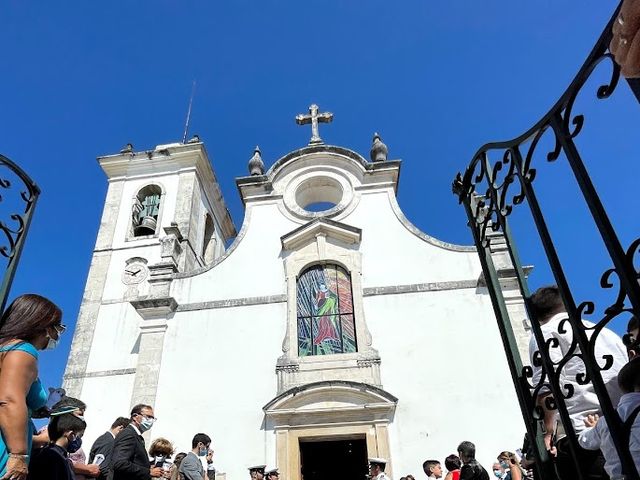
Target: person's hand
{"x":210,"y":456}
{"x":548,"y":443}
{"x":625,"y":44}
{"x":590,"y":421}
{"x":526,"y":464}
{"x":16,"y":468}
{"x":92,"y":470}
{"x":157,"y":472}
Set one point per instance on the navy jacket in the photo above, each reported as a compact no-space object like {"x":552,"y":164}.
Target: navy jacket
{"x":129,"y":459}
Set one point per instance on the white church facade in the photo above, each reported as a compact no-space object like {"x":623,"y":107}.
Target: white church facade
{"x":330,"y":330}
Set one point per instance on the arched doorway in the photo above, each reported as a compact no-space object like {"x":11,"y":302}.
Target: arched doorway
{"x":348,"y":419}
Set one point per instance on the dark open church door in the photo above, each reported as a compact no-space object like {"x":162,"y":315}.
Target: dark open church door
{"x":335,"y":459}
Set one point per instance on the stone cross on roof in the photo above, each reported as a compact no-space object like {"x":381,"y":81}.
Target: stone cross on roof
{"x":314,"y":118}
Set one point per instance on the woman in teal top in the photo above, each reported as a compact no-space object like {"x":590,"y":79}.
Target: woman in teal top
{"x":31,"y":323}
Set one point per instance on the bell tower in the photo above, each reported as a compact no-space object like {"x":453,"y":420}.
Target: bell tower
{"x":164,"y":215}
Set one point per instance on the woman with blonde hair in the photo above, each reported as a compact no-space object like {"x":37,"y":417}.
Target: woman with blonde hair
{"x":510,"y":463}
{"x":160,"y":452}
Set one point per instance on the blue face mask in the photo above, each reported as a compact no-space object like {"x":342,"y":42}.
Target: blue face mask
{"x":504,"y":464}
{"x":497,"y":473}
{"x":203,"y":452}
{"x":146,"y":424}
{"x":74,"y":445}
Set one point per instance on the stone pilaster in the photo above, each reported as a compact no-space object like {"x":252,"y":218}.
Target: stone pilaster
{"x":511,"y":293}
{"x":145,"y":385}
{"x":91,"y":300}
{"x":188,"y":197}
{"x":154,"y":309}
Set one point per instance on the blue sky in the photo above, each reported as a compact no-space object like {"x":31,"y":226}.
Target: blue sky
{"x":436,"y":79}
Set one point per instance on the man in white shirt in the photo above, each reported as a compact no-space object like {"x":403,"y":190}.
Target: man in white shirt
{"x":547,"y":309}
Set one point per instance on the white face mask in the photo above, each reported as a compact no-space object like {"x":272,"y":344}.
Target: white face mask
{"x":52,"y":343}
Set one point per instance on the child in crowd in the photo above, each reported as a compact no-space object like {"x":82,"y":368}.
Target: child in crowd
{"x":52,"y":462}
{"x":453,"y":465}
{"x":432,"y":469}
{"x":597,"y":436}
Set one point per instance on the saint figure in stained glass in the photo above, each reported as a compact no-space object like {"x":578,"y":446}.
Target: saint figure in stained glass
{"x":327,"y":308}
{"x":325,"y":311}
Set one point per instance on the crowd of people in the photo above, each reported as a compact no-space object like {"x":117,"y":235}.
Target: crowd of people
{"x":32,"y":323}
{"x":465,"y":466}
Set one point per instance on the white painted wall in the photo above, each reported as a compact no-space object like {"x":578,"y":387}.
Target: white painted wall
{"x":221,"y":381}
{"x":443,"y":358}
{"x":253,"y":268}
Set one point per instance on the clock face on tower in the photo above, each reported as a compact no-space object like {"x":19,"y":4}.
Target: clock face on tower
{"x":134,"y":273}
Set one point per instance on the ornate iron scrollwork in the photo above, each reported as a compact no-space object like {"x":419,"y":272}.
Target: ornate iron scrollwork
{"x":17,"y":218}
{"x":490,"y":190}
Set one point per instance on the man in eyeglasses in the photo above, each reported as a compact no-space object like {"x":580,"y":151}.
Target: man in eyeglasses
{"x":130,"y":460}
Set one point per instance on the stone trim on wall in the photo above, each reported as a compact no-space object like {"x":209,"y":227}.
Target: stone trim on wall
{"x":232,"y":302}
{"x":102,"y":373}
{"x":149,"y":241}
{"x":419,"y":287}
{"x":367,"y":292}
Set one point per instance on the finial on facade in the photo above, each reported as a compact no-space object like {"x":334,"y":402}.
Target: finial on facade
{"x":256,"y":165}
{"x":128,"y":148}
{"x":314,"y":118}
{"x":194,"y":139}
{"x":379,"y":150}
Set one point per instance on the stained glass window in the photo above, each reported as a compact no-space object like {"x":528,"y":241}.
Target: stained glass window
{"x":325,"y":311}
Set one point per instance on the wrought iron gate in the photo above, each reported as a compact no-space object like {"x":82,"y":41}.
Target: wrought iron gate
{"x":490,"y":189}
{"x":19,"y":201}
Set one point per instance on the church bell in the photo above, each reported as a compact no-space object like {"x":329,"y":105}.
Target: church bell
{"x":147,"y":227}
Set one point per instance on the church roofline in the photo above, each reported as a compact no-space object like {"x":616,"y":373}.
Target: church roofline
{"x":316,"y":149}
{"x":395,"y":206}
{"x":292,"y":392}
{"x":262,"y":184}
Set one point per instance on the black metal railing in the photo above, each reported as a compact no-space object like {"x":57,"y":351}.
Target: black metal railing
{"x":490,"y":189}
{"x":18,"y":206}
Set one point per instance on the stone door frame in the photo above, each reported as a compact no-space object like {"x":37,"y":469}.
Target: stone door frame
{"x":329,"y":410}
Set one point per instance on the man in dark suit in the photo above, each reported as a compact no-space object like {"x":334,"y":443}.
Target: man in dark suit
{"x":129,"y":460}
{"x":104,"y":446}
{"x":471,"y":468}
